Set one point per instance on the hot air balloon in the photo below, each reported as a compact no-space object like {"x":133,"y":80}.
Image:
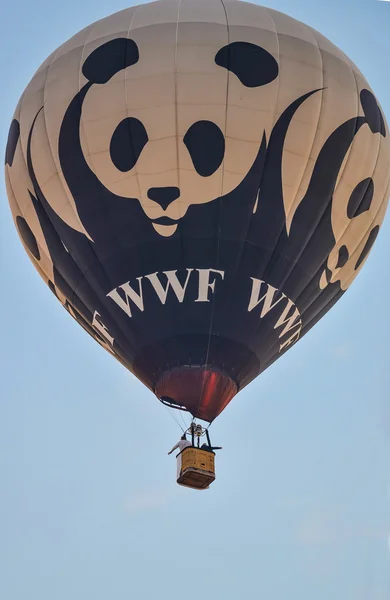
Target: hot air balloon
{"x":198,"y":182}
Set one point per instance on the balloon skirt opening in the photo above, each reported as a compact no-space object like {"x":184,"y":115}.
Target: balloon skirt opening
{"x":203,"y":391}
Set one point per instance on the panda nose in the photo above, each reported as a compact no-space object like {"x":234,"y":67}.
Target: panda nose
{"x":164,"y":196}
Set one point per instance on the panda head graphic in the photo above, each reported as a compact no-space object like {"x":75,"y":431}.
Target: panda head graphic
{"x":164,"y":141}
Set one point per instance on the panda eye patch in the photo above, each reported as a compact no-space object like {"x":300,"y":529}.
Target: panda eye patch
{"x":127,"y":143}
{"x":206,"y":145}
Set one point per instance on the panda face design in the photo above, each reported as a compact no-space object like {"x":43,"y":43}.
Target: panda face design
{"x":356,"y":233}
{"x":147,"y":136}
{"x":357,"y":215}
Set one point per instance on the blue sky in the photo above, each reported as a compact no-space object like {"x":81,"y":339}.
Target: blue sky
{"x":89,"y":507}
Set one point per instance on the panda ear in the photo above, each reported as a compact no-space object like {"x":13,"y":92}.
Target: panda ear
{"x":110,"y":58}
{"x":253,"y":65}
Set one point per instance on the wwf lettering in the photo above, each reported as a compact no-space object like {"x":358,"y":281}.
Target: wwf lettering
{"x":264,"y":298}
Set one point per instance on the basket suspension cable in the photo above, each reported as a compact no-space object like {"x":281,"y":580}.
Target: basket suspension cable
{"x":175,"y":419}
{"x":173,"y":416}
{"x":183,"y":420}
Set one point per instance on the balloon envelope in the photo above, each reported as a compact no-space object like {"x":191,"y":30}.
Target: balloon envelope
{"x":198,"y":183}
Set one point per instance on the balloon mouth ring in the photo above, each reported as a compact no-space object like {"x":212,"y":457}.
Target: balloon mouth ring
{"x":202,"y":391}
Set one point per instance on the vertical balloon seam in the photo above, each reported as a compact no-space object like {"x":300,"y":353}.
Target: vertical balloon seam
{"x":129,"y":30}
{"x":67,"y":192}
{"x":83,"y":58}
{"x":284,"y":227}
{"x":179,"y":2}
{"x":321,"y":104}
{"x":219,"y":208}
{"x":138,"y":9}
{"x":175,"y":75}
{"x":245,"y":239}
{"x":274,"y":120}
{"x":219,"y":227}
{"x":228,"y":80}
{"x":91,"y":28}
{"x":269,"y":12}
{"x":282,"y":230}
{"x":271,"y":252}
{"x":272,"y":124}
{"x":98,"y":263}
{"x":46,"y":129}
